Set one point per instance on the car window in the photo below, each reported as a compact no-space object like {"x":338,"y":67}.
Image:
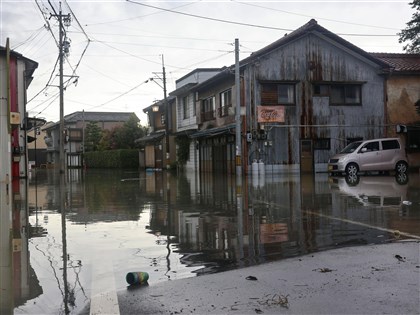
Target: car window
{"x":371,"y":146}
{"x":390,"y":144}
{"x":351,"y":147}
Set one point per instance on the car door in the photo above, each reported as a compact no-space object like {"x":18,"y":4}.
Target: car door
{"x":370,"y":156}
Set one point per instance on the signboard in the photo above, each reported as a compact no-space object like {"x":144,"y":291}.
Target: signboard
{"x":269,"y":114}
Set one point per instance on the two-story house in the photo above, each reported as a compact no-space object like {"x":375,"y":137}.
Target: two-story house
{"x":186,"y":114}
{"x":303,"y":98}
{"x":75,"y":125}
{"x":159,"y":148}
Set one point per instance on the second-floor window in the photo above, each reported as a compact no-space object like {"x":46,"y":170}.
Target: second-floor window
{"x":278,"y":94}
{"x":185,"y":108}
{"x":225,"y":102}
{"x":75,"y":134}
{"x":340,"y":93}
{"x":208,"y":106}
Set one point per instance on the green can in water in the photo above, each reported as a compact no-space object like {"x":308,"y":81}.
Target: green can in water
{"x":137,"y":277}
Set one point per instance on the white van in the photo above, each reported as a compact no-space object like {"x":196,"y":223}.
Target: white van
{"x":385,"y":154}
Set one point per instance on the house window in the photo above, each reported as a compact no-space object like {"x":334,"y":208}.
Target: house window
{"x":322,"y":144}
{"x":225,"y":102}
{"x":340,"y":94}
{"x":185,"y":108}
{"x":208,"y":106}
{"x":75,"y":134}
{"x":278,"y":94}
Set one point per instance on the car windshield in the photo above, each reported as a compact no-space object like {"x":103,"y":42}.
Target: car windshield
{"x":351,"y":147}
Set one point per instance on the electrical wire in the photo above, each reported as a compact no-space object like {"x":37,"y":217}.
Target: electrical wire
{"x":121,"y":95}
{"x":138,"y":17}
{"x":48,"y":82}
{"x":310,"y":16}
{"x":31,"y":37}
{"x":241,"y":23}
{"x":210,"y":18}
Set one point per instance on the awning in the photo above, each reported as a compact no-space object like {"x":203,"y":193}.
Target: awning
{"x":150,"y":138}
{"x":212,"y":132}
{"x":186,"y":133}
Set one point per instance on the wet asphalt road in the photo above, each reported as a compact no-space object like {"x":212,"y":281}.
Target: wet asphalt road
{"x":377,"y":279}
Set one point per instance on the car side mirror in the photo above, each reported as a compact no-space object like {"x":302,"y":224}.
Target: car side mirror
{"x":363,"y":150}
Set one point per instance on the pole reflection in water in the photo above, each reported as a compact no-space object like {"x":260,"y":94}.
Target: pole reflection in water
{"x":174,"y":226}
{"x":62,"y":194}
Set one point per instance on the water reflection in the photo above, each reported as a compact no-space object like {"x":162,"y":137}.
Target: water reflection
{"x":84,"y":238}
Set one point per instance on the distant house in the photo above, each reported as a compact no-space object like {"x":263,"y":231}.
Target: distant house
{"x":403,"y":101}
{"x":75,"y":125}
{"x":186,"y":111}
{"x":159,"y":145}
{"x":37,"y":148}
{"x":215,"y":138}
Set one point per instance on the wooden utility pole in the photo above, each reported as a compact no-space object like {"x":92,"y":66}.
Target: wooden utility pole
{"x":238,"y":111}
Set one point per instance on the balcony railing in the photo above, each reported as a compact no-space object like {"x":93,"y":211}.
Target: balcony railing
{"x":206,"y":116}
{"x":223,"y":111}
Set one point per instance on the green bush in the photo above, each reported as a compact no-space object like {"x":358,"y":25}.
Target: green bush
{"x":124,"y":158}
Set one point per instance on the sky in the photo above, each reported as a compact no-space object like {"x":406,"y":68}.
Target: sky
{"x":116,"y":46}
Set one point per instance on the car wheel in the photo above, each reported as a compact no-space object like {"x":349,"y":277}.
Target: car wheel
{"x":352,"y":169}
{"x":401,"y":167}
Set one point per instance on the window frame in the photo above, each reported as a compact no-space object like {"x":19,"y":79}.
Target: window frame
{"x":328,"y":89}
{"x":223,"y":107}
{"x":322,"y":144}
{"x":269,"y":88}
{"x":208,"y":108}
{"x":185,"y":107}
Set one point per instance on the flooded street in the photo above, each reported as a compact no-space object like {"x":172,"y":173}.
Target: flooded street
{"x":175,"y":226}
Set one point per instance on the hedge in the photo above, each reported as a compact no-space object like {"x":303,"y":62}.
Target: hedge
{"x":125,"y":158}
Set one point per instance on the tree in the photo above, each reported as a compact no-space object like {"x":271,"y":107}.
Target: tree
{"x":411,"y":33}
{"x":123,"y":137}
{"x":93,"y":135}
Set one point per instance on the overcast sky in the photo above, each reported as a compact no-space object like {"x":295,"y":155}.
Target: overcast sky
{"x":116,"y":45}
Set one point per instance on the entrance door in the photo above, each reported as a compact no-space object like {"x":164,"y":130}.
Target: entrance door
{"x":306,"y":156}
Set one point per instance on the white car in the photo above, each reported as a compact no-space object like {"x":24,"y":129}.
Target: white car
{"x":384,"y":154}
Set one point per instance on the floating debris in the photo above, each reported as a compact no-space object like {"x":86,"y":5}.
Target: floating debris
{"x":324,"y":270}
{"x":275,"y":299}
{"x":251,"y":278}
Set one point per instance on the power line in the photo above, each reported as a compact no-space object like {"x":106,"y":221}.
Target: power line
{"x":48,"y":82}
{"x":241,"y":23}
{"x":137,"y":17}
{"x":310,"y":16}
{"x":121,"y":95}
{"x":210,"y":18}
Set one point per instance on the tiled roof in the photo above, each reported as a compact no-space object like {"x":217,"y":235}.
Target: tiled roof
{"x":406,"y":63}
{"x":98,"y":116}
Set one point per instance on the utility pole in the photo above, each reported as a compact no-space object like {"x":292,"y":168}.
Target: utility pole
{"x":63,"y":48}
{"x":61,"y":56}
{"x":238,"y":111}
{"x":167,"y":118}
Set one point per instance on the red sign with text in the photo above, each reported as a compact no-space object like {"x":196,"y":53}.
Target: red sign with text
{"x":268,"y":114}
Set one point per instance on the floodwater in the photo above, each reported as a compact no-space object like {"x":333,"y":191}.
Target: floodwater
{"x":80,"y":242}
